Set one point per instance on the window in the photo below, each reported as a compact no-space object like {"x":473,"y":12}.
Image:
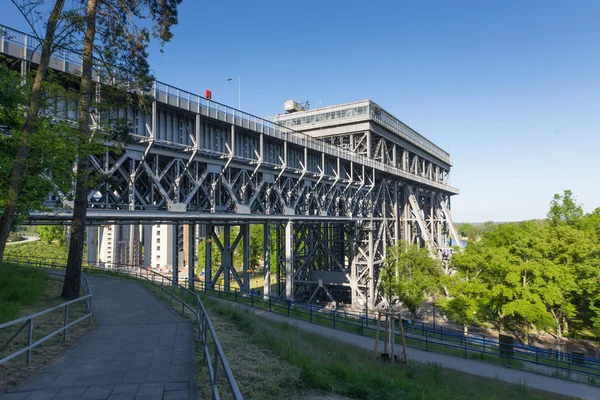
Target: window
{"x":157,"y":240}
{"x":157,"y":266}
{"x":157,"y":258}
{"x":157,"y":248}
{"x":157,"y":233}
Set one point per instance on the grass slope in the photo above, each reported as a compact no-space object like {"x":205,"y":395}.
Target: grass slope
{"x":26,"y":291}
{"x":329,"y":366}
{"x":37,"y":249}
{"x":18,"y":287}
{"x":276,"y":360}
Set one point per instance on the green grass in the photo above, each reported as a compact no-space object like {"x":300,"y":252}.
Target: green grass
{"x":329,"y":368}
{"x":37,"y":249}
{"x":19,"y":287}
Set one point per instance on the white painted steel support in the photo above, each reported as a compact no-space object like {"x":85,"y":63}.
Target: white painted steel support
{"x":267,"y":261}
{"x":289,"y":261}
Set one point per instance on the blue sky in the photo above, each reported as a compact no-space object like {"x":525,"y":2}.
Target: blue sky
{"x":510,"y":88}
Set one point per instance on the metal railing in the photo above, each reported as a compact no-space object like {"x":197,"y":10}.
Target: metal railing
{"x":174,"y":96}
{"x":29,"y":321}
{"x":176,"y":292}
{"x":206,"y":329}
{"x":183,"y":99}
{"x":424,"y":336}
{"x":419,"y":335}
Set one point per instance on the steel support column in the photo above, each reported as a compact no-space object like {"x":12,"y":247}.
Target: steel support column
{"x":289,"y":260}
{"x":267,"y":261}
{"x":246,"y":257}
{"x":191,"y":255}
{"x":208,"y":258}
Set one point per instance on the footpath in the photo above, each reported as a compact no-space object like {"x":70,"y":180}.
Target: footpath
{"x":530,"y":379}
{"x":141,"y":349}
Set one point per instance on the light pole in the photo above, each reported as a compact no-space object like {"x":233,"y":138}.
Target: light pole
{"x":239,"y":91}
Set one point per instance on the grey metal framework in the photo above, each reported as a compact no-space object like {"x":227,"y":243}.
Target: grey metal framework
{"x":357,"y":181}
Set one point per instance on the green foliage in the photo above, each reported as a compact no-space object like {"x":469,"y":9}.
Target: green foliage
{"x":19,"y":286}
{"x":54,"y":233}
{"x":47,"y":134}
{"x":564,"y":209}
{"x":467,"y":230}
{"x":36,"y":250}
{"x":330,"y":366}
{"x":541,"y":274}
{"x":410,"y":275}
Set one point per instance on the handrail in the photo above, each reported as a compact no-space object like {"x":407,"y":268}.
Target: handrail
{"x":436,"y":340}
{"x":204,"y":106}
{"x":205,"y":326}
{"x":28,"y":321}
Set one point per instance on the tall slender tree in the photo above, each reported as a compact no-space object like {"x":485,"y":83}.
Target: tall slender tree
{"x":122,"y":52}
{"x":18,"y":174}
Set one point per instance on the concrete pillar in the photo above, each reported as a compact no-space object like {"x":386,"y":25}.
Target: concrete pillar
{"x":267,"y":261}
{"x":175,"y":253}
{"x":92,"y":244}
{"x":289,"y":261}
{"x":147,"y":240}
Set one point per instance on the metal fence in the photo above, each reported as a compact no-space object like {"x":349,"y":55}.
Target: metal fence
{"x":438,"y":339}
{"x":29,"y":321}
{"x":189,"y":300}
{"x":424,"y":336}
{"x":66,"y":60}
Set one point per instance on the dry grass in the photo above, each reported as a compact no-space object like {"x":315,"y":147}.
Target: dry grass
{"x":16,"y":371}
{"x":276,"y":360}
{"x":259,"y":371}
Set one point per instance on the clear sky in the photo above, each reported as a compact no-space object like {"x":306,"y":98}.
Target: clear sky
{"x":510,"y":88}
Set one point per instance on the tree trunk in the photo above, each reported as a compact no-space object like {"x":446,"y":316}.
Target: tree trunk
{"x":565,"y":326}
{"x":558,"y":330}
{"x":74,"y":261}
{"x":17,"y":177}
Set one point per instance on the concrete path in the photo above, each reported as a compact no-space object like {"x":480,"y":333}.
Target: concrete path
{"x":141,"y":350}
{"x":27,"y":240}
{"x":531,"y":379}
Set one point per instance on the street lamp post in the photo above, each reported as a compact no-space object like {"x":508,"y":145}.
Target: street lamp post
{"x":239,"y":91}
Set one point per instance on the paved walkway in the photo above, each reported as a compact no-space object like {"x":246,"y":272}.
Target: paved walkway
{"x":531,"y":379}
{"x":141,"y":350}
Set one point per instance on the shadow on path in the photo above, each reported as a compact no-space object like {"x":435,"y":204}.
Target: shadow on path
{"x":141,"y":350}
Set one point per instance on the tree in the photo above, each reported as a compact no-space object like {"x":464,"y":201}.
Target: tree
{"x":467,"y":286}
{"x":468,"y":231}
{"x":564,"y":209}
{"x":54,"y":233}
{"x":410,"y":275}
{"x":19,"y":168}
{"x":122,"y":48}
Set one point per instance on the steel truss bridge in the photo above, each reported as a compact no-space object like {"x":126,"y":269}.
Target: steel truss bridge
{"x":336,"y":196}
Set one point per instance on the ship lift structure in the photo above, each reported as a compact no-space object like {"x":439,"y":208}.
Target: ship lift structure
{"x":335,"y":185}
